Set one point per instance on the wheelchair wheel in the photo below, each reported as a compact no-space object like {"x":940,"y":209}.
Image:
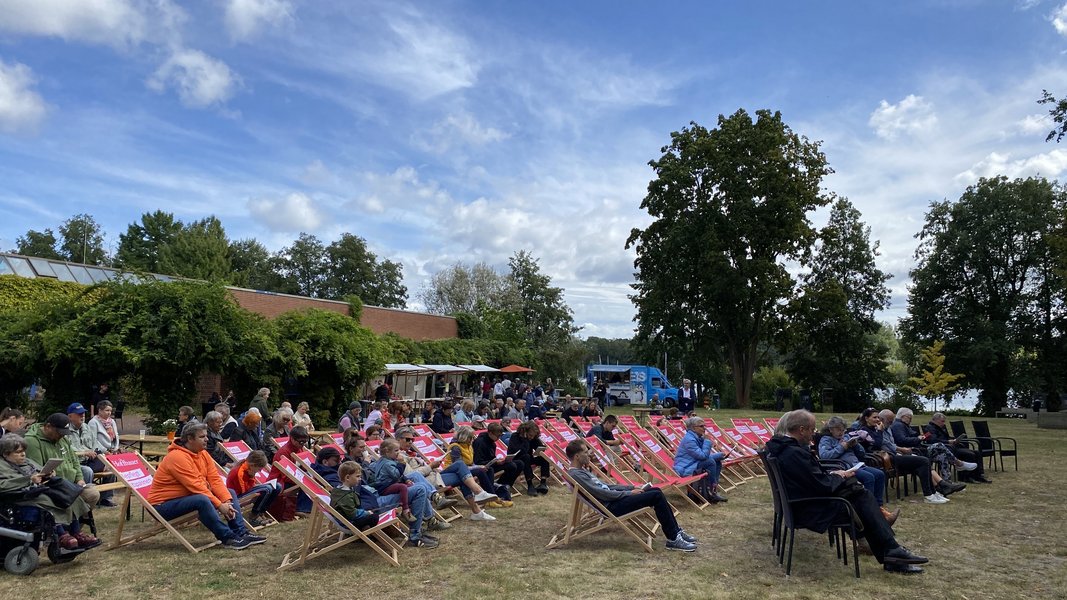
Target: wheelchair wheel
{"x":22,"y":560}
{"x":59,"y":557}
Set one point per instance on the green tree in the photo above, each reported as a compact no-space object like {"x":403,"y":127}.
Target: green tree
{"x":460,"y":289}
{"x":331,"y":354}
{"x":934,"y":381}
{"x":199,"y":251}
{"x":164,"y":335}
{"x":141,"y":246}
{"x":984,"y":283}
{"x":303,"y":266}
{"x":353,"y":269}
{"x":832,"y":332}
{"x":41,"y":244}
{"x":253,"y":267}
{"x":730,"y":208}
{"x":547,"y":318}
{"x":82,"y":240}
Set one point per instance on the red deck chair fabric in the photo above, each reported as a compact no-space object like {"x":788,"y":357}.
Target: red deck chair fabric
{"x":321,"y":537}
{"x":134,"y":471}
{"x":660,"y":469}
{"x":772,"y":424}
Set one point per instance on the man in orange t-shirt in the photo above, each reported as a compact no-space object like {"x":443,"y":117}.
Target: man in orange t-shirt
{"x":187,"y":480}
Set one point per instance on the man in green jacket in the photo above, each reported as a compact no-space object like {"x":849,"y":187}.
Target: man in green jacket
{"x":48,"y":440}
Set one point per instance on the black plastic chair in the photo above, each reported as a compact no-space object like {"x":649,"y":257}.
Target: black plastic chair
{"x":994,"y":446}
{"x":837,"y":531}
{"x":776,"y":526}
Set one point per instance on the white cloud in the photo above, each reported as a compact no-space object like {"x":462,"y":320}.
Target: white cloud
{"x":460,"y":129}
{"x":21,"y":108}
{"x":295,"y":212}
{"x":246,"y":18}
{"x":200,"y":80}
{"x":1047,"y":164}
{"x":912,"y":115}
{"x":1059,"y":20}
{"x":1031,"y":124}
{"x":116,"y":23}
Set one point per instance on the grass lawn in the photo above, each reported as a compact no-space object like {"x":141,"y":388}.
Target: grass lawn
{"x":1004,"y":540}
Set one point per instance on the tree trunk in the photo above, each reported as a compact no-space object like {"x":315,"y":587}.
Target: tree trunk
{"x":742,"y":363}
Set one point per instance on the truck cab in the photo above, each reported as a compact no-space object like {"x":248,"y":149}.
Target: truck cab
{"x":630,"y":384}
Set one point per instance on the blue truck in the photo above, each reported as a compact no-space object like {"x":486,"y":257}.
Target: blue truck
{"x":631,"y":384}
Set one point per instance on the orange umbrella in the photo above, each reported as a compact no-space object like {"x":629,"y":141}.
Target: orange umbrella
{"x":515,"y":369}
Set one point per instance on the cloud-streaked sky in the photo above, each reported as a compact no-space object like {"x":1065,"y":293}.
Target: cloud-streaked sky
{"x":461,"y":131}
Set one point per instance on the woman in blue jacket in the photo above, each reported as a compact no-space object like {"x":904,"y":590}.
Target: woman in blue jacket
{"x":695,"y":454}
{"x":834,"y":446}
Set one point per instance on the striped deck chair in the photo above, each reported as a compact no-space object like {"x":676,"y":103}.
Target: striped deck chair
{"x":772,"y":423}
{"x":660,"y":464}
{"x":247,"y":502}
{"x":588,"y":515}
{"x":745,"y":428}
{"x":584,"y":427}
{"x":134,"y":471}
{"x":749,"y":454}
{"x":328,"y":530}
{"x":239,"y":451}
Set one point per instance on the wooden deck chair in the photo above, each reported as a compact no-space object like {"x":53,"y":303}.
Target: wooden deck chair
{"x":772,"y":424}
{"x":322,"y":535}
{"x":619,"y":471}
{"x":247,"y":502}
{"x":749,"y":456}
{"x":628,"y":423}
{"x":761,"y":431}
{"x":239,"y":451}
{"x":743,"y":427}
{"x":660,"y":464}
{"x":133,"y":470}
{"x":736,"y":459}
{"x":431,"y":452}
{"x":423,"y":430}
{"x":594,"y":420}
{"x":584,"y":427}
{"x":588,"y":515}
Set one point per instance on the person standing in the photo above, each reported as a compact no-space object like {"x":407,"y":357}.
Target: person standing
{"x":687,"y":398}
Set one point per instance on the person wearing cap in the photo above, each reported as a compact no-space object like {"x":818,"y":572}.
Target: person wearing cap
{"x":47,"y":440}
{"x":351,"y":417}
{"x":82,"y":439}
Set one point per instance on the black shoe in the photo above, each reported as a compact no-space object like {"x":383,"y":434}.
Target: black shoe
{"x":543,"y":487}
{"x":902,"y":556}
{"x":253,"y":539}
{"x":948,"y":488}
{"x":904,"y":569}
{"x":532,"y":491}
{"x":422,"y":542}
{"x":236,"y":543}
{"x":982,"y":479}
{"x":715,"y":498}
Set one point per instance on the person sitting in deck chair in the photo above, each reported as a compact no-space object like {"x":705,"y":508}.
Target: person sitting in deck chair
{"x":242,"y":479}
{"x":696,"y":454}
{"x":605,"y":432}
{"x":803,"y":477}
{"x":484,"y":447}
{"x":623,"y":499}
{"x":187,"y":480}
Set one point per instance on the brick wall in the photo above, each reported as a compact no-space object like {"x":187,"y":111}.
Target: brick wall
{"x":409,"y":324}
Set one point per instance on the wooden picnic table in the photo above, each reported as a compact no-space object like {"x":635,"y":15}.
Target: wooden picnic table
{"x":641,"y":414}
{"x":131,"y":439}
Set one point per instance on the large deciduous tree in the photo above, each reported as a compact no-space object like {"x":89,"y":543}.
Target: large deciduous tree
{"x":460,"y":289}
{"x":832,"y":334}
{"x":41,"y":244}
{"x":731,"y":208}
{"x":545,"y":313}
{"x":142,"y":244}
{"x":82,"y":240}
{"x":985,"y":284}
{"x":200,"y":250}
{"x":352,"y":269}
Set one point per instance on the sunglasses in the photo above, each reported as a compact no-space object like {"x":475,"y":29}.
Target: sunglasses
{"x":408,"y":439}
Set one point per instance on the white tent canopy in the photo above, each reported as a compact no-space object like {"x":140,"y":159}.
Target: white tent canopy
{"x":480,"y":368}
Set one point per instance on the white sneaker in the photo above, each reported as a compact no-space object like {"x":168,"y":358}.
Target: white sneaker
{"x":936,"y":498}
{"x":484,"y":496}
{"x":967,"y":466}
{"x":482,"y":516}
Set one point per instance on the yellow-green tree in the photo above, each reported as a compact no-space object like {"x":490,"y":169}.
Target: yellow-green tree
{"x":935,"y":381}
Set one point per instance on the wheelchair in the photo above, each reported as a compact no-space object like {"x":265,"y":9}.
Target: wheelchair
{"x":25,"y":530}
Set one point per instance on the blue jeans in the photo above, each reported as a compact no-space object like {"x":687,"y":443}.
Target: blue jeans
{"x":223,"y":530}
{"x":419,"y":501}
{"x":874,"y":480}
{"x":455,"y":475}
{"x":712,"y":466}
{"x":267,"y":492}
{"x":420,"y":482}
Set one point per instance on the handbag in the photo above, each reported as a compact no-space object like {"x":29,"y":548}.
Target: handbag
{"x":63,"y":493}
{"x":887,"y":460}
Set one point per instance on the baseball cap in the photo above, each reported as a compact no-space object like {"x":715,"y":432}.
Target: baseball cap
{"x":59,"y":421}
{"x":76,"y":409}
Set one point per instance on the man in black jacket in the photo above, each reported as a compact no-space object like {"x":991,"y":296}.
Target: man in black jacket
{"x":484,"y":447}
{"x":803,"y":477}
{"x":939,"y":433}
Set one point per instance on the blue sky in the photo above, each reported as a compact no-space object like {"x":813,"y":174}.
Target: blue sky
{"x":454,"y":131}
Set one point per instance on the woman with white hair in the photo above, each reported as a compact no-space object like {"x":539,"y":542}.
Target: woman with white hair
{"x":696,"y":454}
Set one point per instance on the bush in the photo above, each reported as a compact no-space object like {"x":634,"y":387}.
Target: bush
{"x":765,"y":382}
